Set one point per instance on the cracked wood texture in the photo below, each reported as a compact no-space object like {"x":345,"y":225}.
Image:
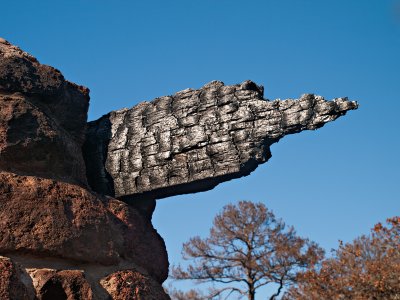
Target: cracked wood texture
{"x":195,"y":139}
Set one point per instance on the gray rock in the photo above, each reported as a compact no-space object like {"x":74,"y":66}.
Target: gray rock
{"x":195,"y":139}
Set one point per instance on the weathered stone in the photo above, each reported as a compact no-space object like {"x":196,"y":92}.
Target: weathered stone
{"x":42,"y":119}
{"x":47,"y":218}
{"x":195,"y":139}
{"x":11,"y":285}
{"x":129,"y":284}
{"x":61,"y":285}
{"x":51,"y":226}
{"x":33,"y":278}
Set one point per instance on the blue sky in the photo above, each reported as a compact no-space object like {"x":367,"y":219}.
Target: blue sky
{"x":330,"y":184}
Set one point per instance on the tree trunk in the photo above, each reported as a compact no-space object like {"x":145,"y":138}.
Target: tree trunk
{"x":252,"y":293}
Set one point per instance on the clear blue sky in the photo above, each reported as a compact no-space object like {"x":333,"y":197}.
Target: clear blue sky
{"x":331,"y":184}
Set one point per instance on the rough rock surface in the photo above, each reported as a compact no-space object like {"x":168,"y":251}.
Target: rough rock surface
{"x":195,"y":139}
{"x":129,"y":284}
{"x":60,"y":239}
{"x":47,"y":218}
{"x":65,"y":284}
{"x":11,"y":286}
{"x":42,"y":118}
{"x":30,"y":278}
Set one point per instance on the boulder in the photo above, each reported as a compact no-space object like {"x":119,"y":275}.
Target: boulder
{"x":129,"y":284}
{"x":52,"y":284}
{"x":52,"y":219}
{"x":11,"y":286}
{"x":42,"y":119}
{"x":34,"y":279}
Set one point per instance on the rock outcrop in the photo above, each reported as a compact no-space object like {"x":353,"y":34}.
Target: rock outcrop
{"x":76,"y":223}
{"x":58,"y":238}
{"x":42,"y":119}
{"x":61,"y":220}
{"x":195,"y":139}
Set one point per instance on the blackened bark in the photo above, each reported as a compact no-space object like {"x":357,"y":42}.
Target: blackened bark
{"x":195,"y":139}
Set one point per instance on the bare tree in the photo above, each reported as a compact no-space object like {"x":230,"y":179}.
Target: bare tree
{"x":247,"y":248}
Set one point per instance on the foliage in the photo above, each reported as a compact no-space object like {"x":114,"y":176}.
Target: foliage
{"x":247,"y":248}
{"x":180,"y":295}
{"x":367,"y":268}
